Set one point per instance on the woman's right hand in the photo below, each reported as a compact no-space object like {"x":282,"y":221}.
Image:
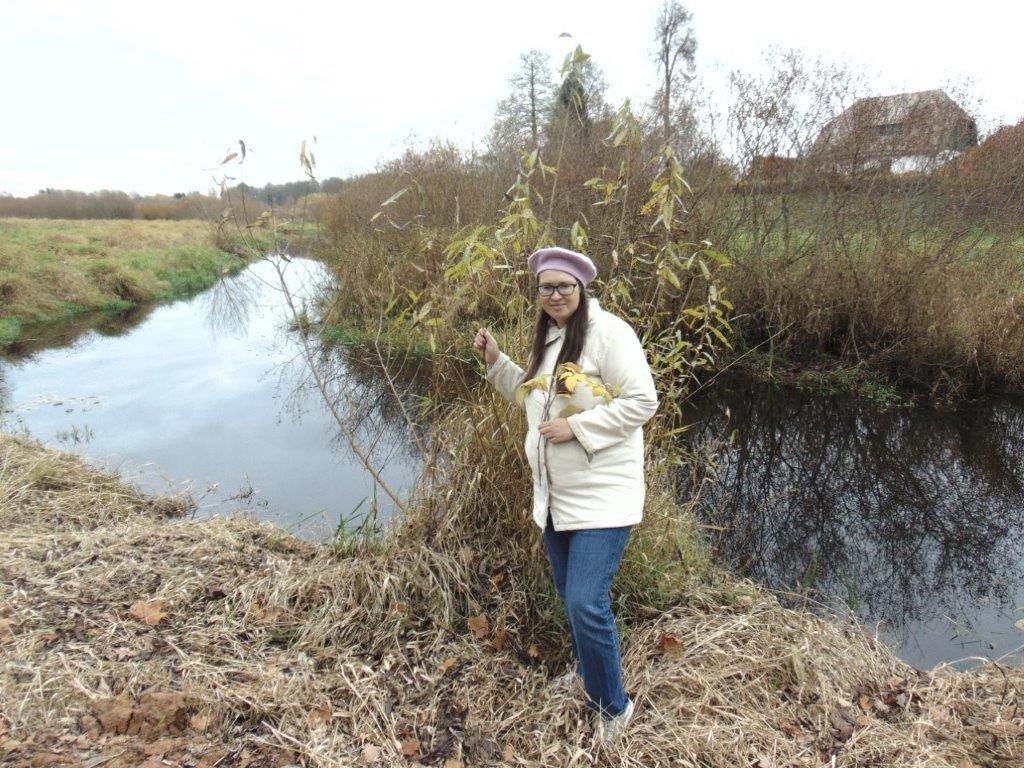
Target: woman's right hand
{"x":485,"y":343}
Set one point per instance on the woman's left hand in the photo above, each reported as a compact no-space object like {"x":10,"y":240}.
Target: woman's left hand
{"x":556,"y":431}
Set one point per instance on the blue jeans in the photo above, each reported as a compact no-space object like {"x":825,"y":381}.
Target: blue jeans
{"x":583,"y":564}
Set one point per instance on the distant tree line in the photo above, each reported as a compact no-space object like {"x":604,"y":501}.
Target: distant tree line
{"x":109,"y":204}
{"x":278,"y":195}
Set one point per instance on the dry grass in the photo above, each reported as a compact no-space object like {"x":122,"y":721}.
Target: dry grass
{"x":129,"y":637}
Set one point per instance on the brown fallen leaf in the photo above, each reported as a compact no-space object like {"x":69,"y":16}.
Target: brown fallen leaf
{"x":790,"y":728}
{"x":533,"y":651}
{"x":6,"y":635}
{"x":370,"y":754}
{"x":410,"y":748}
{"x":479,"y":626}
{"x":213,"y":757}
{"x":864,"y":702}
{"x":508,"y":754}
{"x":499,"y":639}
{"x":149,"y":611}
{"x":215,"y":593}
{"x":451,"y":762}
{"x":161,"y":747}
{"x":844,"y":722}
{"x":448,"y":663}
{"x":199,"y":723}
{"x":668,"y":644}
{"x":319,"y":716}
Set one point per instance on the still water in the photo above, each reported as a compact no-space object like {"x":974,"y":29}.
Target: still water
{"x":912,"y":518}
{"x":209,"y":395}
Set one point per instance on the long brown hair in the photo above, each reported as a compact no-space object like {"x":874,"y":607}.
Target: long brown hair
{"x":575,"y":335}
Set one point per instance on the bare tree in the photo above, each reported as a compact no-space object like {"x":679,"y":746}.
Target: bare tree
{"x":677,"y":50}
{"x":521,"y":115}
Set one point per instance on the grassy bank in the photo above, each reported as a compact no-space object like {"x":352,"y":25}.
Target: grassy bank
{"x":52,"y":269}
{"x":129,"y":633}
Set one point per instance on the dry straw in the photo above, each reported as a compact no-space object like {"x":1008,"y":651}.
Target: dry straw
{"x":128,"y":637}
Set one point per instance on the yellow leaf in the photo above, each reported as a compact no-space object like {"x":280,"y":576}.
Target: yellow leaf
{"x":521,"y":392}
{"x":539,"y":383}
{"x":570,"y":410}
{"x":600,"y":390}
{"x":1019,"y":624}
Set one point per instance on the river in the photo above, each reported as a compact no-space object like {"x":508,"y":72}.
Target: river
{"x":913,"y":519}
{"x":208,"y":395}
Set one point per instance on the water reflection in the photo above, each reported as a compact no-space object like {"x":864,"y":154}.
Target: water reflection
{"x":913,"y":518}
{"x":39,"y":337}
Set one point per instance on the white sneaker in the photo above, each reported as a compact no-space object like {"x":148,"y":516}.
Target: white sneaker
{"x":612,"y":727}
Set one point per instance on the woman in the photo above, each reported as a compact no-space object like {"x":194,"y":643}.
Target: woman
{"x":587,"y":392}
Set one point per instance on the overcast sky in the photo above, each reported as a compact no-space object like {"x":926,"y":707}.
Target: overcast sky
{"x":146,"y":97}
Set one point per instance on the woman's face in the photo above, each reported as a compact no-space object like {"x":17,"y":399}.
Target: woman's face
{"x":558,"y":307}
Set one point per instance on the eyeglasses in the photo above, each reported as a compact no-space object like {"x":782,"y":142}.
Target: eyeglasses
{"x":564,"y":289}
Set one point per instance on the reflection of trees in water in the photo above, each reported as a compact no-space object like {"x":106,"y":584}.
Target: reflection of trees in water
{"x":909,"y":514}
{"x":230,"y":304}
{"x":367,"y":394}
{"x":379,"y":395}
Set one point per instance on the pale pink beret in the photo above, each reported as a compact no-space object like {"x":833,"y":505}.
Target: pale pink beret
{"x":564,"y":260}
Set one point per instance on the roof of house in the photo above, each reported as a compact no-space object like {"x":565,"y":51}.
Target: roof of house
{"x":898,"y":125}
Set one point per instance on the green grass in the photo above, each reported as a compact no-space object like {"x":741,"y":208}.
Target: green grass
{"x":52,"y":269}
{"x":355,"y":336}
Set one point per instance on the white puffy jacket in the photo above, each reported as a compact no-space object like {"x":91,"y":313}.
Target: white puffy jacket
{"x":596,"y":480}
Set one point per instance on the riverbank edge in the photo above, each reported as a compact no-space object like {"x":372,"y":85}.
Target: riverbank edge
{"x":222,"y":257}
{"x":819,"y":375}
{"x":13,"y":328}
{"x":131,"y":631}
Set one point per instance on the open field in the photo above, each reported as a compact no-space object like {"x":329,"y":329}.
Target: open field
{"x":52,"y":268}
{"x":129,"y":633}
